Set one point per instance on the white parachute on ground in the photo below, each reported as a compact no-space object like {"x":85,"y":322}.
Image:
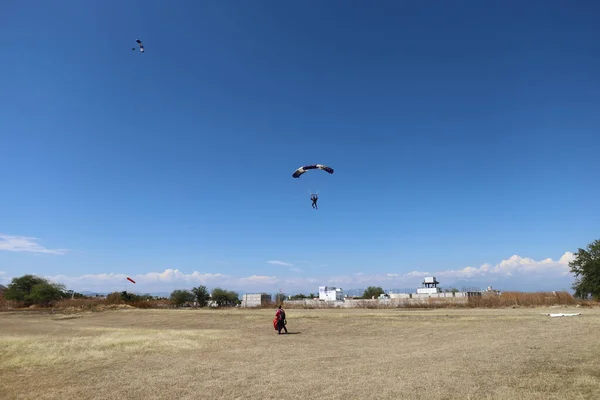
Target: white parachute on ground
{"x":562,"y":315}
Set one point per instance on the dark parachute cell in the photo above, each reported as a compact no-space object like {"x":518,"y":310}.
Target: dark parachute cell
{"x":305,"y":168}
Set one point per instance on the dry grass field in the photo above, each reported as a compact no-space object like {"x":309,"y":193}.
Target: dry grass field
{"x":332,"y":354}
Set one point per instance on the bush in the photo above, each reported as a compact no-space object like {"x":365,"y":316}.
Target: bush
{"x":523,"y":299}
{"x":89,"y":303}
{"x":114,"y":298}
{"x":4,"y":304}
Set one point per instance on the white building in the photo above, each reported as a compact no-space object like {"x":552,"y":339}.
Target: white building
{"x":330,"y":293}
{"x":429,"y":286}
{"x":255,"y":299}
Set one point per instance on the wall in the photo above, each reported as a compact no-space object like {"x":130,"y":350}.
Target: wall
{"x":399,"y":296}
{"x":445,"y":298}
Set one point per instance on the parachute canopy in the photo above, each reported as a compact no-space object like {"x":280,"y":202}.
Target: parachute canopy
{"x":140,"y":44}
{"x":305,"y":168}
{"x":130,"y":280}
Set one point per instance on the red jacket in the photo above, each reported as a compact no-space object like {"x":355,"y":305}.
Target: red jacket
{"x":280,"y":314}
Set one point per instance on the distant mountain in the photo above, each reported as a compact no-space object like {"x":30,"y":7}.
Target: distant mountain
{"x":86,"y":293}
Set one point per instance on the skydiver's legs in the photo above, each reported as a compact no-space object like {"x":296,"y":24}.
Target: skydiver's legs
{"x":280,"y":326}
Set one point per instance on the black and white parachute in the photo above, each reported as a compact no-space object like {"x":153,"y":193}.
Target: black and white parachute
{"x":305,"y":168}
{"x":140,"y":44}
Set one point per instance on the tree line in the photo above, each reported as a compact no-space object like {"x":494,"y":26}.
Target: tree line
{"x":201,"y":297}
{"x":29,"y":290}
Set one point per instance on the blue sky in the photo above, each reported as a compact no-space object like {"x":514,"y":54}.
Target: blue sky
{"x":461,"y":134}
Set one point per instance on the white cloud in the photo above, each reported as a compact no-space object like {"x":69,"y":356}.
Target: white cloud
{"x":174,"y":275}
{"x":25,"y":244}
{"x":515,"y":265}
{"x":152,"y":279}
{"x":417,"y":274}
{"x":282,"y":263}
{"x":171,"y":279}
{"x":516,"y":269}
{"x":567,"y":258}
{"x":260,"y":279}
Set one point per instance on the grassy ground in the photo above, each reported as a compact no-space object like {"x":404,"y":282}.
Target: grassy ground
{"x":333,"y":354}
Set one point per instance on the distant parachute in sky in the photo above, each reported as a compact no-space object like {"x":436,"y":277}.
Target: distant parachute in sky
{"x":305,"y":168}
{"x":130,"y":280}
{"x":140,"y":44}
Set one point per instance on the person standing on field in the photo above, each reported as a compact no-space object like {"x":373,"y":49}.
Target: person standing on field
{"x":280,"y":316}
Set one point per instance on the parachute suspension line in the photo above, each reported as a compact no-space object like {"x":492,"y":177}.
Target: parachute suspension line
{"x":312,"y":191}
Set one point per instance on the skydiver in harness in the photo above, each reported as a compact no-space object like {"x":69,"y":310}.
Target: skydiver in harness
{"x":314,"y":199}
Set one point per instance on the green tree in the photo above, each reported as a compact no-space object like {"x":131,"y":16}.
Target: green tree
{"x":372,"y":291}
{"x":299,"y":296}
{"x":224,"y":298}
{"x":31,"y":289}
{"x":586,"y":268}
{"x":180,"y":297}
{"x":44,"y":294}
{"x":202,"y":295}
{"x":19,"y":288}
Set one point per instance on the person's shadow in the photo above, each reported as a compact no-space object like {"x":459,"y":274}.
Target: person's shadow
{"x":293,"y":333}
